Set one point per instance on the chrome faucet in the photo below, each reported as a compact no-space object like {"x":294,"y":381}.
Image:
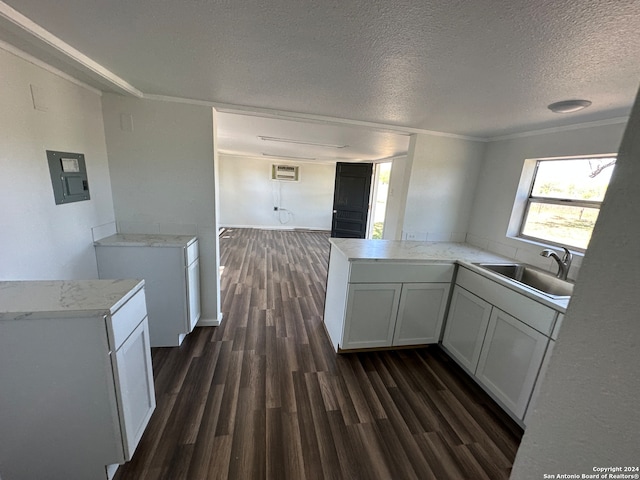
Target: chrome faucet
{"x":564,"y":263}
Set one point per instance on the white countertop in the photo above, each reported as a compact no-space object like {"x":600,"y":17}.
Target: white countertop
{"x":393,"y":250}
{"x":145,"y":240}
{"x":64,"y":298}
{"x":438,"y":252}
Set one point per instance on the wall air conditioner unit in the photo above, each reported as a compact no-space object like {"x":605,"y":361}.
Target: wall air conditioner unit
{"x":289,"y":173}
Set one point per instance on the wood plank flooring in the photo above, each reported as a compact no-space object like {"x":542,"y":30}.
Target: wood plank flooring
{"x":264,"y":396}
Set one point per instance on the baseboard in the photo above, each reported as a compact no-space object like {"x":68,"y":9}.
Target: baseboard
{"x":210,"y":322}
{"x":277,"y":227}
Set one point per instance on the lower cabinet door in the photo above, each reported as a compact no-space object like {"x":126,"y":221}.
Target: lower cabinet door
{"x":371,"y":314}
{"x":466,"y":327}
{"x":421,"y":313}
{"x":134,"y":386}
{"x":536,"y":388}
{"x":193,"y":294}
{"x":510,"y":360}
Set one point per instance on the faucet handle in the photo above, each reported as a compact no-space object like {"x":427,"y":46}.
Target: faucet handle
{"x":568,"y":256}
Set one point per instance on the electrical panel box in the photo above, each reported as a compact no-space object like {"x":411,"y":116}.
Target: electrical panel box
{"x":68,"y":176}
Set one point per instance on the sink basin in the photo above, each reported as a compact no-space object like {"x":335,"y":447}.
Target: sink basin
{"x":531,"y":277}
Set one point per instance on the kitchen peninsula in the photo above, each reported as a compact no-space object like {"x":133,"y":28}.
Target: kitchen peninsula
{"x":366,"y":280}
{"x":392,"y":294}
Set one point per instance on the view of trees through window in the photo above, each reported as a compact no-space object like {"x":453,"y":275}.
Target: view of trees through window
{"x":384,"y":173}
{"x":565,"y":200}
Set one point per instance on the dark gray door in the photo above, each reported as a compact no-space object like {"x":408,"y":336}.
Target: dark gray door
{"x":351,"y":200}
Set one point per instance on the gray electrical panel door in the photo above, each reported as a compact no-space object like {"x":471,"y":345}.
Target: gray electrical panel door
{"x":68,"y":176}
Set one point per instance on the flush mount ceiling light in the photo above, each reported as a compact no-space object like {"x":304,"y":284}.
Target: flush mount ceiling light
{"x":299,"y":142}
{"x":287,"y":156}
{"x":569,"y":106}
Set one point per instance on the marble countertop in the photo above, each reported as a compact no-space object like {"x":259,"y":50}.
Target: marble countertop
{"x":396,"y":250}
{"x":145,"y":240}
{"x":64,"y":298}
{"x":438,"y":252}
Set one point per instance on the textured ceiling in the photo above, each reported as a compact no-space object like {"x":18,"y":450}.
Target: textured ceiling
{"x":262,"y":136}
{"x":479,"y":68}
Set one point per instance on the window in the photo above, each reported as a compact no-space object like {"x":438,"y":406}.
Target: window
{"x":564,"y":200}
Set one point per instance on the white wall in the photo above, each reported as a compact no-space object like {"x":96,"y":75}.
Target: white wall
{"x":587,"y":413}
{"x":499,"y":180}
{"x":444,"y":172}
{"x":248,"y":195}
{"x":396,"y":198}
{"x":163,"y":177}
{"x":39,"y":239}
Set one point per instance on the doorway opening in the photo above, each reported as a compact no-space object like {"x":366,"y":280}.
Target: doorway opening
{"x":380,"y":193}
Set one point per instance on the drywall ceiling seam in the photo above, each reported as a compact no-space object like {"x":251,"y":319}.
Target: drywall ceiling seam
{"x":284,"y":159}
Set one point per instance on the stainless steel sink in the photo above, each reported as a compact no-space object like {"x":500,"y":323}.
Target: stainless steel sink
{"x":545,"y":283}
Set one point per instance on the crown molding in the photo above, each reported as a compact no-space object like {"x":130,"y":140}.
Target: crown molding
{"x":7,"y":47}
{"x":566,"y":128}
{"x":308,"y":117}
{"x":85,"y":65}
{"x":52,"y":43}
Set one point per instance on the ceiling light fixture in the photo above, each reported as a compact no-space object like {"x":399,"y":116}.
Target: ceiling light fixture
{"x":288,"y":156}
{"x":569,"y":106}
{"x":299,"y":142}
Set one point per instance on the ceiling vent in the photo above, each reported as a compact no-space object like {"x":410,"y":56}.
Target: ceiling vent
{"x":288,"y":173}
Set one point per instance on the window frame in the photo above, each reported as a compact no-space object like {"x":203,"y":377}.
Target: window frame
{"x":532,"y":199}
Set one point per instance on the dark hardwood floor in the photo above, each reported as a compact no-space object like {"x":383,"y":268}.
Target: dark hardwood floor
{"x":265,"y":396}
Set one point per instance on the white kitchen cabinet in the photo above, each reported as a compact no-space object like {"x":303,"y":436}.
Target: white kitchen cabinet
{"x":133,"y":376}
{"x":75,"y":365}
{"x":371,"y":314}
{"x":171,"y":268}
{"x":421,"y":313}
{"x":536,"y":389}
{"x":193,"y":293}
{"x":543,"y":369}
{"x":466,"y":327}
{"x":390,"y":314}
{"x":510,"y":360}
{"x":373,"y":304}
{"x":502,"y":351}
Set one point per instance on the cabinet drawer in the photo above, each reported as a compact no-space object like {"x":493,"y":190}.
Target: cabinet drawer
{"x":126,"y":319}
{"x":525,"y":309}
{"x":192,"y":252}
{"x":394,"y":272}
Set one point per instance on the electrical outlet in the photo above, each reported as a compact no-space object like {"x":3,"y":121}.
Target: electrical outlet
{"x":415,"y":236}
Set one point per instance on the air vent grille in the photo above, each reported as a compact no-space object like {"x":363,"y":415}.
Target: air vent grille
{"x":288,"y":173}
